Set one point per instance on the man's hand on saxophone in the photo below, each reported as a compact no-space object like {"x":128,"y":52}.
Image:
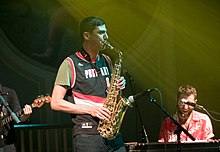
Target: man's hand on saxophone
{"x":100,"y":112}
{"x":121,"y":83}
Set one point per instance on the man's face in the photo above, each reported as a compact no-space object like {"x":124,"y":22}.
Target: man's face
{"x":98,"y":35}
{"x":184,"y":109}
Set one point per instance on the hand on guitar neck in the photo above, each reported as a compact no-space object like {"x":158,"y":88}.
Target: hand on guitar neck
{"x":25,"y":113}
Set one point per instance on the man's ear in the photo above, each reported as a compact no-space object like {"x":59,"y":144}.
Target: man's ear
{"x":86,"y":35}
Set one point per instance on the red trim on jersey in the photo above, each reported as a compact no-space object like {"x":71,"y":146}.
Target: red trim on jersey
{"x":108,"y":60}
{"x":81,"y":56}
{"x":73,"y":71}
{"x":94,"y":99}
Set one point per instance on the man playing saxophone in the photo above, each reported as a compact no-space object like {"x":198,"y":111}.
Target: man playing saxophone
{"x":87,"y":73}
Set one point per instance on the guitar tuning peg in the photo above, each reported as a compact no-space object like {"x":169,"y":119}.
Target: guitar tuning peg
{"x":47,"y":94}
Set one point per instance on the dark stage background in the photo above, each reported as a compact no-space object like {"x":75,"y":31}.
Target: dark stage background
{"x":165,"y":44}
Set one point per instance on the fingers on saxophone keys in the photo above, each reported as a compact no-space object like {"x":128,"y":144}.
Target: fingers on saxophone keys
{"x":104,"y":114}
{"x":102,"y":117}
{"x":121,"y":83}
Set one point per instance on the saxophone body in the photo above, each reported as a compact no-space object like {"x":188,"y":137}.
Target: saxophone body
{"x":114,"y":102}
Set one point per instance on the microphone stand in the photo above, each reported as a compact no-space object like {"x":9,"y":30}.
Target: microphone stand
{"x":13,"y":115}
{"x":179,"y":127}
{"x":144,"y":137}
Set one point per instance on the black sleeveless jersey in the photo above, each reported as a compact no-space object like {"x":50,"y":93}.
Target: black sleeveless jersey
{"x":89,"y":83}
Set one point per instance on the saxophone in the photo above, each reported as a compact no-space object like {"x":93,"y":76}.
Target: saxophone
{"x":114,"y":102}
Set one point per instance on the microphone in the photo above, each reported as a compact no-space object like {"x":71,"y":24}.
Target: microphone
{"x":139,"y":95}
{"x":184,"y":101}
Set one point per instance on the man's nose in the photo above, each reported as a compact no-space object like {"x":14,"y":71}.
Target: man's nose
{"x":185,"y":106}
{"x":105,"y":37}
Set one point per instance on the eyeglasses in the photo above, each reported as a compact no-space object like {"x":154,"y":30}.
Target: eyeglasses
{"x":185,"y":102}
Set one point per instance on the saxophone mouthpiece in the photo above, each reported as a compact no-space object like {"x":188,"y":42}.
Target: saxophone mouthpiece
{"x":108,"y":45}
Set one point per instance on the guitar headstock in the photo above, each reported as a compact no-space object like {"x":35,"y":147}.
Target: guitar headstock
{"x":41,"y":100}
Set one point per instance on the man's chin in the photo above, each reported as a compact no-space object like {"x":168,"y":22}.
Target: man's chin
{"x":186,"y":114}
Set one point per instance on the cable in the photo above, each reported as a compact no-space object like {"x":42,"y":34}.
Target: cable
{"x":204,"y":109}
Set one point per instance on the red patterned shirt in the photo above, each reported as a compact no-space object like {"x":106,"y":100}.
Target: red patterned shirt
{"x":200,"y":127}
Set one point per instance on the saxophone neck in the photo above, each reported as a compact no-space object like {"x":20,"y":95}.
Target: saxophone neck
{"x":108,"y":45}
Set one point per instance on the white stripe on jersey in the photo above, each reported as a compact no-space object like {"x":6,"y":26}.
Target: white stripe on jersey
{"x":86,"y":102}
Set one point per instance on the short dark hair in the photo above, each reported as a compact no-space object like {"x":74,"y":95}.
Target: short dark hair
{"x":88,"y":24}
{"x":187,"y":90}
